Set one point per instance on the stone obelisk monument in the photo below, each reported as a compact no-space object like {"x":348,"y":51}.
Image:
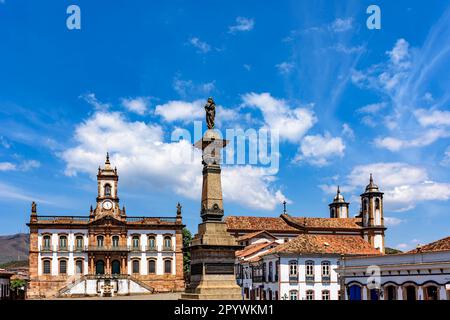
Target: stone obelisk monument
{"x":212,"y":248}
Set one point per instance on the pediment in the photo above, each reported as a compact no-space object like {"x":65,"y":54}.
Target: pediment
{"x":107,"y":220}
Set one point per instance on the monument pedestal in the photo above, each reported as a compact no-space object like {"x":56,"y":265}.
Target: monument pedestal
{"x":213,"y":248}
{"x":212,"y":264}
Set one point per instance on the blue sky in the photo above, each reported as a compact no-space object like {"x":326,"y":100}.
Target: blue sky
{"x":346,"y":101}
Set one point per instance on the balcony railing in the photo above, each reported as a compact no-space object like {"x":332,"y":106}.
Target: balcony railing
{"x":151,"y":248}
{"x":167,"y":248}
{"x":46,"y":249}
{"x":293,"y":278}
{"x":108,"y":248}
{"x":326,"y":279}
{"x":309,"y":278}
{"x":258,"y":279}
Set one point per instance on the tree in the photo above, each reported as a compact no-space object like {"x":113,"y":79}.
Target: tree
{"x":187,"y":237}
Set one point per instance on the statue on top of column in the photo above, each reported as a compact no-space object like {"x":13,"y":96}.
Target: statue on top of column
{"x":210,"y":109}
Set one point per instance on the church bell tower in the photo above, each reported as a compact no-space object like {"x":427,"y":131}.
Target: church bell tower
{"x":372,"y":215}
{"x":339,"y":208}
{"x":107,"y":199}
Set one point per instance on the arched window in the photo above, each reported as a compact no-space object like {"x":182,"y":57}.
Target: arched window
{"x":107,"y":190}
{"x":325,"y":295}
{"x":333,"y":212}
{"x":366,"y":205}
{"x":115,"y":267}
{"x":354,"y":292}
{"x":79,"y":266}
{"x":46,"y":243}
{"x":79,"y":242}
{"x":115,"y":241}
{"x":293,"y":295}
{"x":47,"y":267}
{"x":135,"y":242}
{"x":390,"y":292}
{"x":168,"y":266}
{"x":167,"y":242}
{"x":62,"y":242}
{"x":100,"y":241}
{"x":151,"y":266}
{"x":377,"y":204}
{"x":135,"y":266}
{"x":100,"y":267}
{"x":309,"y":294}
{"x":410,"y":293}
{"x":151,"y":242}
{"x":431,"y":293}
{"x":62,"y":266}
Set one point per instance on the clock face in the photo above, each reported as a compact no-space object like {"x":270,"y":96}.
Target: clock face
{"x":107,"y":205}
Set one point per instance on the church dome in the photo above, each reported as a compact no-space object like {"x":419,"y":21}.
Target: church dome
{"x":339,"y":197}
{"x":371,"y":186}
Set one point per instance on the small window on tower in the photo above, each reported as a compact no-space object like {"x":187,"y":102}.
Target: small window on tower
{"x":107,"y":190}
{"x":377,"y":204}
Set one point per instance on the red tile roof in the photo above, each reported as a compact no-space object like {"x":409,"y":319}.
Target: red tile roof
{"x":254,"y":235}
{"x":328,"y":223}
{"x":326,"y":244}
{"x":252,"y":224}
{"x":439,"y":245}
{"x":253,"y":248}
{"x":287,"y":223}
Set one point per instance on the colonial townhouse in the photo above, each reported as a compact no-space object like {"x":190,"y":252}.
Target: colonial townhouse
{"x":420,"y":274}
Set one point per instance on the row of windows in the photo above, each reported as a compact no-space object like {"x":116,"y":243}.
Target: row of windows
{"x":79,"y":241}
{"x":293,"y":295}
{"x":100,"y":267}
{"x":309,"y":268}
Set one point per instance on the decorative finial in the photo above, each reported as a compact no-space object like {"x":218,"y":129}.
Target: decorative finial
{"x":91,"y":210}
{"x":338,"y":190}
{"x":123,"y":210}
{"x":371,"y":179}
{"x":179,"y":209}
{"x":284,"y":207}
{"x":115,"y":170}
{"x":107,"y":158}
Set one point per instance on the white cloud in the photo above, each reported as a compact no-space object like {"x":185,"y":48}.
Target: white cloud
{"x":10,"y":192}
{"x":242,"y":24}
{"x":348,"y":50}
{"x":404,"y":185}
{"x":392,"y":221}
{"x":372,"y":108}
{"x":4,"y":143}
{"x":181,"y":110}
{"x":291,"y":123}
{"x":7,"y":166}
{"x":432,"y":118}
{"x":187,"y":88}
{"x":23,"y":166}
{"x":201,"y":46}
{"x":145,"y":161}
{"x":400,"y":55}
{"x":318,"y":149}
{"x":137,"y":105}
{"x":348,"y":131}
{"x":446,"y":160}
{"x":341,"y":25}
{"x":395,"y":144}
{"x":285,"y":67}
{"x":93,"y":101}
{"x":247,"y":67}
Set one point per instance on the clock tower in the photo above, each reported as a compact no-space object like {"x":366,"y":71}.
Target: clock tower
{"x":107,"y":199}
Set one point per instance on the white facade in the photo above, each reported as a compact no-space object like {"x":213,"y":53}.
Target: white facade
{"x":71,"y":254}
{"x":301,"y":277}
{"x":410,"y":276}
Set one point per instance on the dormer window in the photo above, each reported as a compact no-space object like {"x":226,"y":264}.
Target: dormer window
{"x":107,"y":190}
